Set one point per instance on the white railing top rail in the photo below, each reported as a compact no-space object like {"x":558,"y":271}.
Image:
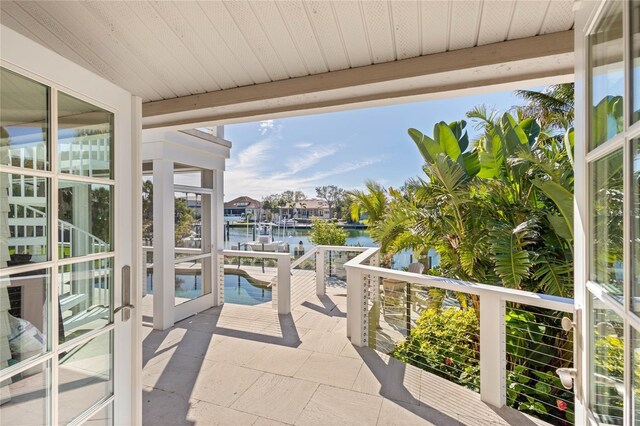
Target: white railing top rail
{"x":544,"y":301}
{"x":343,"y":248}
{"x":316,"y":249}
{"x":182,"y":250}
{"x":249,"y":253}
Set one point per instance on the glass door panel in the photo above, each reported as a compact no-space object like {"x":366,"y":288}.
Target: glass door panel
{"x":85,"y":376}
{"x":85,"y":134}
{"x":85,"y":218}
{"x":25,"y":398}
{"x":607,"y":76}
{"x":612,"y":298}
{"x":192,"y":253}
{"x":25,"y":317}
{"x":70,"y":359}
{"x":189,"y":280}
{"x":24,"y":230}
{"x":606,"y":231}
{"x":607,"y":363}
{"x":85,"y":296}
{"x":24,"y":122}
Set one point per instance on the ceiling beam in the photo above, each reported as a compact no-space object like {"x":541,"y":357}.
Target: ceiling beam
{"x":534,"y":57}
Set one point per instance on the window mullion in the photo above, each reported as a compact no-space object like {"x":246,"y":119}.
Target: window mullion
{"x":53,"y":238}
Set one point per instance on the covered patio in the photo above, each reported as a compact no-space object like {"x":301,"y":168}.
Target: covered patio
{"x":247,"y":365}
{"x":185,"y":67}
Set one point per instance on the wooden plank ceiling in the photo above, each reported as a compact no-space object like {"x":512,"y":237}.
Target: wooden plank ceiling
{"x":164,"y":50}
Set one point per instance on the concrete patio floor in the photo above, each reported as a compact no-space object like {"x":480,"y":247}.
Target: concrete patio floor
{"x":245,"y":365}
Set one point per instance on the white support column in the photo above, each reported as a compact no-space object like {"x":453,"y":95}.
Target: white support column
{"x":208,"y":233}
{"x":357,"y":308}
{"x":163,"y":245}
{"x":284,"y":285}
{"x":217,"y":220}
{"x":492,"y":350}
{"x":320,"y":282}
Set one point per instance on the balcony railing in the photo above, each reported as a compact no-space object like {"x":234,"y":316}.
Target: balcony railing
{"x":506,"y":344}
{"x":271,"y":270}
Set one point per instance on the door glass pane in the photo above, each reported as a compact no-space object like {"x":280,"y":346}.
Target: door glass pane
{"x":85,"y":295}
{"x":607,"y":76}
{"x":607,"y":363}
{"x":23,"y":220}
{"x":104,"y":417}
{"x":189,"y":281}
{"x":85,"y":218}
{"x":635,"y":54}
{"x":85,"y":138}
{"x":188,"y":223}
{"x":85,"y":376}
{"x":24,"y":316}
{"x":24,"y":122}
{"x":606,"y":223}
{"x":635,"y":226}
{"x":25,"y":397}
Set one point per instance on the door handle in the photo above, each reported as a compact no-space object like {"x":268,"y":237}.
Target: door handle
{"x":126,"y":307}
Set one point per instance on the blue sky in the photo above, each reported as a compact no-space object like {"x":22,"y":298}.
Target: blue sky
{"x":342,"y":148}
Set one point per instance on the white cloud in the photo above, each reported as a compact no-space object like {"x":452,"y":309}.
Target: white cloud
{"x":271,"y":165}
{"x":309,"y":158}
{"x":258,"y":184}
{"x":264,"y":126}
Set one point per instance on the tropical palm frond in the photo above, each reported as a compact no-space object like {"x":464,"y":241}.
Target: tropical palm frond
{"x":513,"y":261}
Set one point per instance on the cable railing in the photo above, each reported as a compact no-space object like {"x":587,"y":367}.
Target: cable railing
{"x":505,"y":344}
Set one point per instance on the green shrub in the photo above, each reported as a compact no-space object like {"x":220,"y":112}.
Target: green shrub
{"x":445,"y":343}
{"x":324,"y":233}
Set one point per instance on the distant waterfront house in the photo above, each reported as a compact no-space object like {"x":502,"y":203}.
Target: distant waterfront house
{"x":241,"y":206}
{"x":306,"y":209}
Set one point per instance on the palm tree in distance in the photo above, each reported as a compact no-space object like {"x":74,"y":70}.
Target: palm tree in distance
{"x":551,"y":107}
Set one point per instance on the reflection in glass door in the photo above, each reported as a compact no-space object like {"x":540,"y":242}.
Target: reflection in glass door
{"x":613,"y":165}
{"x":56,"y":256}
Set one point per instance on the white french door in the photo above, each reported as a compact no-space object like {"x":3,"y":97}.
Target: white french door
{"x":66,"y":252}
{"x":608,"y":218}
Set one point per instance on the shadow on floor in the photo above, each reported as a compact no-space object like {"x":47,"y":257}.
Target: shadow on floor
{"x":396,"y":386}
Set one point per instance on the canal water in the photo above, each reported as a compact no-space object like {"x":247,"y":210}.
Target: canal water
{"x":239,"y":290}
{"x":295,"y":236}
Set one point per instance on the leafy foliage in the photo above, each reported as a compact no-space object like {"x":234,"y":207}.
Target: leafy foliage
{"x":498,"y":210}
{"x":185,"y":216}
{"x":444,"y":342}
{"x":327,"y":233}
{"x":333,"y":195}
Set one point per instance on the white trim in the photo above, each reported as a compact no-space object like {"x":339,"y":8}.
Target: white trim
{"x":85,"y":258}
{"x":92,"y":411}
{"x":606,"y":148}
{"x":29,"y":267}
{"x":192,"y":189}
{"x":80,"y":340}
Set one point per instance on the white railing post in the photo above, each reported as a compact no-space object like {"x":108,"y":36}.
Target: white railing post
{"x":492,"y":350}
{"x":320,"y":283}
{"x":357,"y":307}
{"x":284,"y":285}
{"x":218,"y":298}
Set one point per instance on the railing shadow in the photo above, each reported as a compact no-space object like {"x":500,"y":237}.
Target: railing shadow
{"x":328,"y":307}
{"x":393,"y":386}
{"x":170,"y":379}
